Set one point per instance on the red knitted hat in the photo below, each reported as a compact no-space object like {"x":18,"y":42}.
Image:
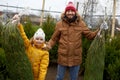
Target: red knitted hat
{"x":70,"y":6}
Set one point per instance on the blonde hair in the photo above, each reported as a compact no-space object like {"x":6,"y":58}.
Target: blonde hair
{"x":31,"y":41}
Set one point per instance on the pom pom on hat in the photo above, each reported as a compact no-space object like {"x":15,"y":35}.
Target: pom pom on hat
{"x":70,"y":6}
{"x":39,"y":33}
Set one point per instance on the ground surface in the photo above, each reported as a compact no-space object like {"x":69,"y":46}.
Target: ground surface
{"x":52,"y":70}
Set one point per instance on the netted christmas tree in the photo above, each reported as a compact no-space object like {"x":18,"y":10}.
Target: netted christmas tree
{"x":18,"y":65}
{"x":94,"y":65}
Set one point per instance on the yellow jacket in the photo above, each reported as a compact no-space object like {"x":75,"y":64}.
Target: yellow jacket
{"x":39,"y":58}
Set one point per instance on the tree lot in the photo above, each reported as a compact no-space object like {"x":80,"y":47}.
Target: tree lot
{"x":112,"y":47}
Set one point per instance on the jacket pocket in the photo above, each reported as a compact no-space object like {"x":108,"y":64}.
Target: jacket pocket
{"x":62,"y":51}
{"x":62,"y":54}
{"x":76,"y":34}
{"x":64,"y":34}
{"x":78,"y":29}
{"x":78,"y":52}
{"x":63,"y":31}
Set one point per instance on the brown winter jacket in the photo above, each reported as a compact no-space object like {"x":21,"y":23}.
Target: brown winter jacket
{"x":69,"y":37}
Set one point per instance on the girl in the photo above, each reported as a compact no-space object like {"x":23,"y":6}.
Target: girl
{"x":38,"y":57}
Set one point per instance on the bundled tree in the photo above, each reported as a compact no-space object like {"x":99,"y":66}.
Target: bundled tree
{"x":94,"y":66}
{"x":18,"y":65}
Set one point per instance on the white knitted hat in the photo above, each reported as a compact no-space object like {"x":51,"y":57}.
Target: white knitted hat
{"x":39,"y":33}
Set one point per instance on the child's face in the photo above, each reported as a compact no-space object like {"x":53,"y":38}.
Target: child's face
{"x":38,"y":41}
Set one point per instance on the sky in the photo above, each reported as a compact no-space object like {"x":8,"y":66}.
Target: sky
{"x":58,"y":5}
{"x":53,"y":5}
{"x":36,"y":4}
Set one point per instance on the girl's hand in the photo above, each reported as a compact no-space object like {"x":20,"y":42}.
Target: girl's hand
{"x":46,"y":46}
{"x":16,"y":19}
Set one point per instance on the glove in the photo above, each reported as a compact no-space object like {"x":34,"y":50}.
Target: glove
{"x":104,"y":26}
{"x":16,"y":19}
